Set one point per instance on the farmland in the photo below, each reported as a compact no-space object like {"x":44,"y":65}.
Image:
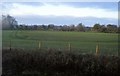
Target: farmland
{"x":58,"y":53}
{"x":83,"y":42}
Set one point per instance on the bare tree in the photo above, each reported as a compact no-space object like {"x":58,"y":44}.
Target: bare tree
{"x":80,"y":27}
{"x":9,"y":22}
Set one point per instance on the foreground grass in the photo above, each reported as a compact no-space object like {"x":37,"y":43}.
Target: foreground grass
{"x":80,"y":41}
{"x":51,"y":62}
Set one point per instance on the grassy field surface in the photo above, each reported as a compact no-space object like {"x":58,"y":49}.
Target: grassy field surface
{"x":84,"y":42}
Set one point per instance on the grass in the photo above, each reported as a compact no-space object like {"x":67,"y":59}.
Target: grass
{"x":54,"y":58}
{"x":84,"y":42}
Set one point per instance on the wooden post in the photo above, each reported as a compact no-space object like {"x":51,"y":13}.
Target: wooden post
{"x":97,"y":49}
{"x":10,"y":45}
{"x":69,"y":46}
{"x":39,"y":45}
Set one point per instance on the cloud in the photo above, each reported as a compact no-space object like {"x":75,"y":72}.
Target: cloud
{"x":19,"y":9}
{"x":60,"y":0}
{"x":61,"y":20}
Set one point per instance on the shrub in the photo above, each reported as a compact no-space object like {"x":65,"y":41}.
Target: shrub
{"x":19,"y":62}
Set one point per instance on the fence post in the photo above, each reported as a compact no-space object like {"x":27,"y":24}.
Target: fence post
{"x":69,"y":46}
{"x":97,"y":49}
{"x":10,"y":45}
{"x":39,"y":45}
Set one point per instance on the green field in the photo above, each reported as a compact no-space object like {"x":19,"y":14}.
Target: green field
{"x":84,"y":42}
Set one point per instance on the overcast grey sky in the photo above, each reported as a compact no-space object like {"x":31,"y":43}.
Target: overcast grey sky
{"x":60,"y":13}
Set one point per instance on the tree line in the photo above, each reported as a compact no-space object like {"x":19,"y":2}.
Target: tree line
{"x":9,"y":22}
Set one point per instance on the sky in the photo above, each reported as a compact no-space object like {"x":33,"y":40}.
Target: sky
{"x":60,"y":13}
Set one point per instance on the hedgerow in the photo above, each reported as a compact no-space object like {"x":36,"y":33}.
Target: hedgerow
{"x":51,"y":62}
